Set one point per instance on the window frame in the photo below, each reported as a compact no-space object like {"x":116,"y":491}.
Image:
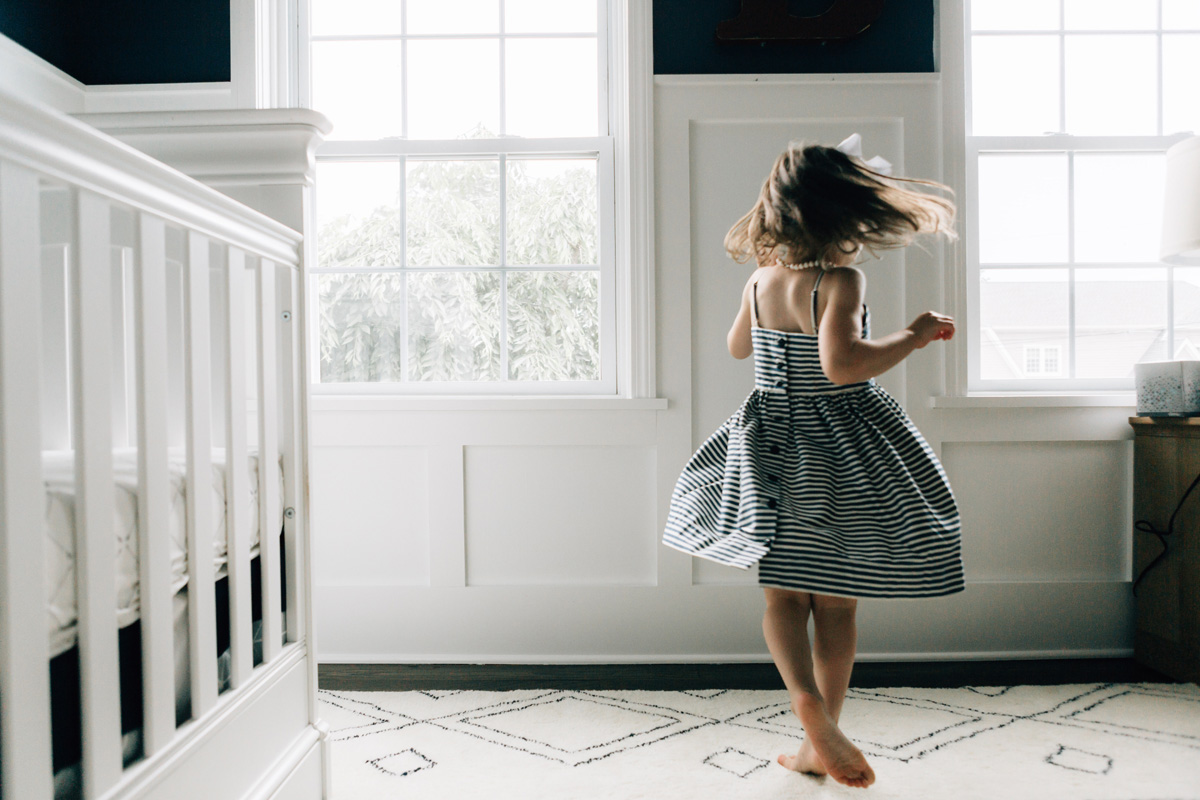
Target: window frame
{"x":626,"y":241}
{"x":963,"y":150}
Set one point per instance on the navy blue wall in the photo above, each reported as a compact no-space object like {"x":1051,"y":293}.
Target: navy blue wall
{"x":37,"y":25}
{"x":685,"y":42}
{"x":183,"y":41}
{"x":124,"y":41}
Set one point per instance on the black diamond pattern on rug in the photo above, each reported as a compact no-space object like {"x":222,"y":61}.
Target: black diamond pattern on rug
{"x":1080,"y":760}
{"x":350,"y":718}
{"x":1163,"y":715}
{"x":736,"y":762}
{"x":544,"y":726}
{"x":406,"y":762}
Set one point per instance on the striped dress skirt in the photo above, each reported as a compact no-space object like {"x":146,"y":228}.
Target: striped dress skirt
{"x":829,"y":489}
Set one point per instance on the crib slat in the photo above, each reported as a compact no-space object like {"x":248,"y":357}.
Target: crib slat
{"x":268,"y":460}
{"x":56,"y":397}
{"x":154,"y":555}
{"x":94,"y":546}
{"x":237,"y":477}
{"x":24,"y":678}
{"x":202,"y":603}
{"x":291,"y":377}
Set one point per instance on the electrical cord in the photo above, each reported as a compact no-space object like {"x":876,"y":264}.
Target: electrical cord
{"x":1145,"y":526}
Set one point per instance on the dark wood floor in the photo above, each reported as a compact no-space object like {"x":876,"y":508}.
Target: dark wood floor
{"x":869,"y":674}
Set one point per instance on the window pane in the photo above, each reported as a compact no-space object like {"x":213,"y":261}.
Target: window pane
{"x":1015,"y":86}
{"x":453,"y":88}
{"x":1118,"y":206}
{"x":550,"y":16}
{"x":453,"y":16}
{"x":1112,"y":85}
{"x":554,"y":326}
{"x":1021,"y":309}
{"x":1181,"y":95}
{"x":361,"y":326}
{"x":358,"y":213}
{"x":1022,"y":208}
{"x":1187,"y":313}
{"x":1120,"y":319}
{"x":1181,"y":15}
{"x":341,"y":17}
{"x":551,"y":87}
{"x":357,"y":85}
{"x":454,"y":326}
{"x":453,"y":213}
{"x":1113,"y":15}
{"x":552,"y":211}
{"x":1013,"y":15}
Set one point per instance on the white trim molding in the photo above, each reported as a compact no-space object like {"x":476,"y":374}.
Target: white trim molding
{"x":632,"y":124}
{"x":37,"y":80}
{"x":251,"y":147}
{"x":32,"y":78}
{"x":264,"y":58}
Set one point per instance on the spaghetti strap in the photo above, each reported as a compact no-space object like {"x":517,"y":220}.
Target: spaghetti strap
{"x":754,"y":305}
{"x":820,"y":275}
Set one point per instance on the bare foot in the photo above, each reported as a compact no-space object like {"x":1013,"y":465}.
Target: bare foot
{"x":841,"y":759}
{"x":805,"y":761}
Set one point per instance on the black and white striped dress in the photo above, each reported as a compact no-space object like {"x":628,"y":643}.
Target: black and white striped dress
{"x":829,"y":489}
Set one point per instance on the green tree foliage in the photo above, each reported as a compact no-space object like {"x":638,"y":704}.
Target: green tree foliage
{"x":553,"y":319}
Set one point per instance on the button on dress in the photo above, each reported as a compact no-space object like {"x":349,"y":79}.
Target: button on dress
{"x":829,"y":489}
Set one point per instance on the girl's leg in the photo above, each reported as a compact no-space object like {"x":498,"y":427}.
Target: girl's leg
{"x":785,"y":626}
{"x":835,"y":642}
{"x":834,"y":646}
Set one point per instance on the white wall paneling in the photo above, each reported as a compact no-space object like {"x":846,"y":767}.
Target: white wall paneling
{"x":568,"y":515}
{"x":371,"y":506}
{"x":1043,"y":511}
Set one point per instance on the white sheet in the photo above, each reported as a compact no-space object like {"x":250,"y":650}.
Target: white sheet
{"x":58,"y":470}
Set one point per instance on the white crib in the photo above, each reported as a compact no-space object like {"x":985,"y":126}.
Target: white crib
{"x":152,"y":385}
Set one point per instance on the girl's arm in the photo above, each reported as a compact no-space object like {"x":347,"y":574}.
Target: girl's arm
{"x":848,"y":358}
{"x":740,"y":345}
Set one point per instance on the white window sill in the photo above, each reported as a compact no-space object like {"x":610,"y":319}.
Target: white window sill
{"x":382,"y":402}
{"x":1047,"y":400}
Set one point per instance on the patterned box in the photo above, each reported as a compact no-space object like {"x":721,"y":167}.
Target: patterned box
{"x":1167,"y":388}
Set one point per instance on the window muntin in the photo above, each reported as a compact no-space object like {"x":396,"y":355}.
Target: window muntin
{"x":1071,"y":106}
{"x":465,"y":247}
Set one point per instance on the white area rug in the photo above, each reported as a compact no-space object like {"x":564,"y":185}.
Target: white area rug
{"x":1126,"y":741}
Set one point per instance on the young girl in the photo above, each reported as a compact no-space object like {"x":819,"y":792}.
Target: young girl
{"x":820,"y":477}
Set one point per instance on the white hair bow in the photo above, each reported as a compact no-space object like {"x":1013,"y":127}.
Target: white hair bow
{"x":852,"y":146}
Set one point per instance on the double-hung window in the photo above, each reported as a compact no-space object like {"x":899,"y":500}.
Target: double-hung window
{"x":1071,"y":105}
{"x":464,"y":201}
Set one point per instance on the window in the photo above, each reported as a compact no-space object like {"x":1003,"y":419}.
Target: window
{"x":465,"y":199}
{"x":1071,"y":105}
{"x":1042,"y":361}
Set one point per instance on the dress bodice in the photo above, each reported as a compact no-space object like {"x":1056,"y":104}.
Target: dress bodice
{"x":788,"y":361}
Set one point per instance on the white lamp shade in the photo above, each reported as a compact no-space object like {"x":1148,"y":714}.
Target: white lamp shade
{"x":1181,"y":207}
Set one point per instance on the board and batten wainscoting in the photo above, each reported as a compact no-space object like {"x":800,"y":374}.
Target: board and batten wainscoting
{"x":527,"y":531}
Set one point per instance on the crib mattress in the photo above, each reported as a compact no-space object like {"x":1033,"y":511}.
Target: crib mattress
{"x":58,"y":470}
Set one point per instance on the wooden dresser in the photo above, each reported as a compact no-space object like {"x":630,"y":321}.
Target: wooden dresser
{"x":1166,"y":459}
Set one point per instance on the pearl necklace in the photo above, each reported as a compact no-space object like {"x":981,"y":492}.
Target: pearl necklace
{"x":803,"y":264}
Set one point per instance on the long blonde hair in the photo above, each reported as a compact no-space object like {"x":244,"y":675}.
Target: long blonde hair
{"x":819,"y":203}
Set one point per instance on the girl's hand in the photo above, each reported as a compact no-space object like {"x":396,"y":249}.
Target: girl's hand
{"x":930,"y":326}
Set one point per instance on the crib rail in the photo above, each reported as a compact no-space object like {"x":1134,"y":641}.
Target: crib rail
{"x":65,"y":188}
